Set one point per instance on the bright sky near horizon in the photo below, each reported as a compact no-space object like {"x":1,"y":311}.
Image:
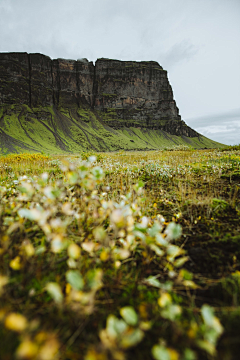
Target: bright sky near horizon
{"x":197,"y":42}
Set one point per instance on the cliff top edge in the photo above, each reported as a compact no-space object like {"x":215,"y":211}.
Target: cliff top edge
{"x":85,"y":60}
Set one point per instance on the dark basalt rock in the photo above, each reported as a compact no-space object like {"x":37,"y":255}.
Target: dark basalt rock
{"x":123,"y":93}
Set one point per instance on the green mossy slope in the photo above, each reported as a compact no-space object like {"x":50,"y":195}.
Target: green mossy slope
{"x":56,"y":131}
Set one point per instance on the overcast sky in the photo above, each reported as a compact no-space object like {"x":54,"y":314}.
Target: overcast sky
{"x":196,"y":41}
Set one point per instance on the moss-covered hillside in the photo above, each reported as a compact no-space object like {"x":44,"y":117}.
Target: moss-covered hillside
{"x":65,"y":130}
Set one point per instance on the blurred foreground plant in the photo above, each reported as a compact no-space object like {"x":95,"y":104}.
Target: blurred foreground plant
{"x":60,"y":239}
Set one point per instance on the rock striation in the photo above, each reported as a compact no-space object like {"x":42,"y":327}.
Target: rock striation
{"x":124,"y":94}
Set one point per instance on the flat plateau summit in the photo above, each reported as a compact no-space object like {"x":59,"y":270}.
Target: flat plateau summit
{"x":60,"y":106}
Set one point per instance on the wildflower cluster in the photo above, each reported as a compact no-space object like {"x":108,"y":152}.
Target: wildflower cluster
{"x":178,"y":148}
{"x":12,"y":159}
{"x":209,"y":163}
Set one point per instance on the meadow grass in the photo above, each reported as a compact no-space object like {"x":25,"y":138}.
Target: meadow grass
{"x":120,"y":255}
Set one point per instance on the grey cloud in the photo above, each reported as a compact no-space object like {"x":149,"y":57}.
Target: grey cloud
{"x":5,"y":5}
{"x":222,"y":127}
{"x":224,"y":118}
{"x":181,"y":51}
{"x":196,"y":41}
{"x":224,"y":136}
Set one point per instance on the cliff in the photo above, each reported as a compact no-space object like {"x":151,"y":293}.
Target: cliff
{"x":119,"y":95}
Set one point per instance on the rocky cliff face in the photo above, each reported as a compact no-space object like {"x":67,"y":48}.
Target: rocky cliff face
{"x":123,"y":94}
{"x":36,"y":80}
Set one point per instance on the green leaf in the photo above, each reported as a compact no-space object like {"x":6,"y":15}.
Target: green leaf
{"x":72,"y":178}
{"x":185,"y":274}
{"x":99,"y":233}
{"x":139,"y":185}
{"x":55,"y":292}
{"x":129,"y":315}
{"x":132,"y":338}
{"x":110,"y":328}
{"x":159,"y":352}
{"x":57,"y":244}
{"x":160,"y":240}
{"x":173,"y":251}
{"x":157,"y":250}
{"x":155,"y":229}
{"x":207,"y":314}
{"x":211,"y":320}
{"x":207,"y":346}
{"x":171,"y":312}
{"x":151,"y":280}
{"x":26,"y":213}
{"x":189,"y":355}
{"x":98,"y":173}
{"x":179,"y":262}
{"x":115,"y":327}
{"x":173,"y":231}
{"x":40,"y":250}
{"x":94,"y":278}
{"x":74,"y":278}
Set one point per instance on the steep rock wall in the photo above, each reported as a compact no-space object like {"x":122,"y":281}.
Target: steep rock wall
{"x":139,"y":86}
{"x":36,"y":80}
{"x":123,"y":93}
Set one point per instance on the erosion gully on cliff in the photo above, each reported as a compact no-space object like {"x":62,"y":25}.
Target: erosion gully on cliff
{"x":67,"y":106}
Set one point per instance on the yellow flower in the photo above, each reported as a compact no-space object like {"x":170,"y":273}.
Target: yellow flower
{"x":15,"y":263}
{"x":165,"y":299}
{"x":27,"y":350}
{"x":16,"y":322}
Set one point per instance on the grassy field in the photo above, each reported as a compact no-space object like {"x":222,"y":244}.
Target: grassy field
{"x":123,"y":255}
